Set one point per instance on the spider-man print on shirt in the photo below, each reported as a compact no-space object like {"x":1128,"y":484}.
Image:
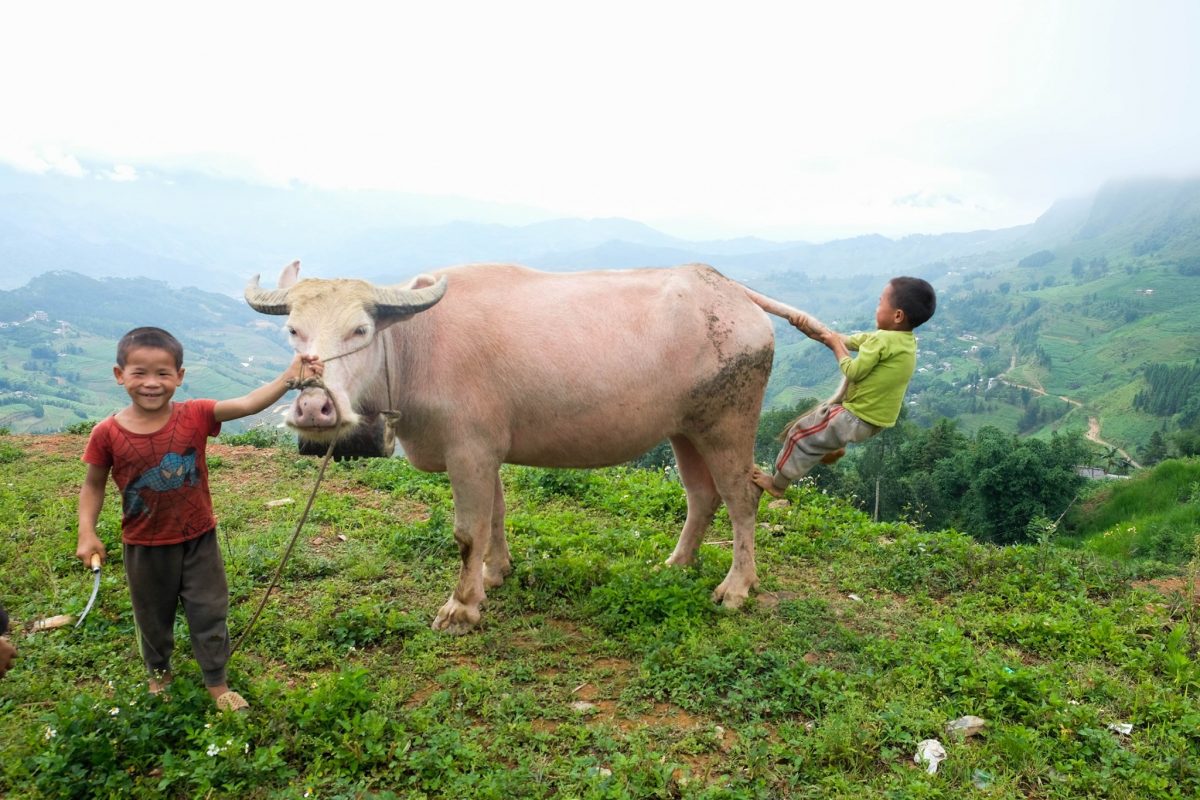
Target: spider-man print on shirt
{"x":163,"y":476}
{"x":171,"y":473}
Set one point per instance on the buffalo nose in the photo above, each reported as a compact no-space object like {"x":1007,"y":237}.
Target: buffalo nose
{"x":314,"y":409}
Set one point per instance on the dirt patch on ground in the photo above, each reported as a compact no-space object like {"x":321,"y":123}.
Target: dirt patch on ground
{"x":64,"y":445}
{"x":1176,"y":586}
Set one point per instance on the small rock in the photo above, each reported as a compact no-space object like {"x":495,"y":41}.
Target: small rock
{"x":965,"y":726}
{"x":780,"y":503}
{"x":583,"y":706}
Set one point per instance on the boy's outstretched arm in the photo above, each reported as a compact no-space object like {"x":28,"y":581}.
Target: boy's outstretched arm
{"x":837,"y":343}
{"x":302,"y":366}
{"x":91,"y":500}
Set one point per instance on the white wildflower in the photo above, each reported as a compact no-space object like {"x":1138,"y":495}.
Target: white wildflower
{"x":114,"y":711}
{"x":213,"y":750}
{"x":50,"y":732}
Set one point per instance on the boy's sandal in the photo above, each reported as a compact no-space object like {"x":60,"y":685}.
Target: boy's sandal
{"x":232,"y":701}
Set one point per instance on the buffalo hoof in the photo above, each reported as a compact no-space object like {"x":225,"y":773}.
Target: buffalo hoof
{"x":732,"y":593}
{"x":494,"y":576}
{"x":456,"y":618}
{"x":679,"y":560}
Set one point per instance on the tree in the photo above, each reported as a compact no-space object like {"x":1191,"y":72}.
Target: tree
{"x":1155,"y":449}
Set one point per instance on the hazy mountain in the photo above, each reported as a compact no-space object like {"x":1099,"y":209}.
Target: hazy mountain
{"x":191,"y":229}
{"x":1075,"y":304}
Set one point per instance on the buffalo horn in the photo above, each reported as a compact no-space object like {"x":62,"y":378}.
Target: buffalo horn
{"x":393,"y":301}
{"x":266,"y":302}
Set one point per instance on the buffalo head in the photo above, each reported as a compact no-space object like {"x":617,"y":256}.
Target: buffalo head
{"x":338,"y":320}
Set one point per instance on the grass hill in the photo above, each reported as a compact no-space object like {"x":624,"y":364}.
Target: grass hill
{"x":597,"y":672}
{"x":1155,"y":515}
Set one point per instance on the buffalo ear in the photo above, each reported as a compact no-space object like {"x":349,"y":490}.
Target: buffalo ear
{"x":289,"y":275}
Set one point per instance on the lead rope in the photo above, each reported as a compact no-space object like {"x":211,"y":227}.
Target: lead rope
{"x":286,"y":553}
{"x":300,"y":383}
{"x":304,"y":383}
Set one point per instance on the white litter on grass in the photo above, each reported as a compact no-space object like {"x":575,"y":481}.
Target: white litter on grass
{"x":1123,"y":728}
{"x":855,"y":598}
{"x":283,"y":501}
{"x":930,"y":753}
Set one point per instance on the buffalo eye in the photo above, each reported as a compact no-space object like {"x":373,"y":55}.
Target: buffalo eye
{"x":291,"y":330}
{"x":361,"y":330}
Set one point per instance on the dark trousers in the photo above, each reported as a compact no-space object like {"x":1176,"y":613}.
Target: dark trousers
{"x":162,"y":576}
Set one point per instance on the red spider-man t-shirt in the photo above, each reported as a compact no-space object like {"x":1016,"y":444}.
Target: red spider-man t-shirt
{"x":163,"y":476}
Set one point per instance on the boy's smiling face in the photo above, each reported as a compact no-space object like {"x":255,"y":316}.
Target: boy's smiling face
{"x":150,"y":378}
{"x":887,"y":316}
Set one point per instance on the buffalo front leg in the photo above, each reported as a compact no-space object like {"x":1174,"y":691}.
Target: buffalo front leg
{"x":474,"y":495}
{"x":498,"y":563}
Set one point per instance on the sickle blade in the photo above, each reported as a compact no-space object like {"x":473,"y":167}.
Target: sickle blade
{"x":92,"y":600}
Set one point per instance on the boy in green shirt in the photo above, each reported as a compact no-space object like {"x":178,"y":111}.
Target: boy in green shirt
{"x":877,"y":380}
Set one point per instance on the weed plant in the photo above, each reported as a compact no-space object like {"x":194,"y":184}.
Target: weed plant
{"x":597,"y":672}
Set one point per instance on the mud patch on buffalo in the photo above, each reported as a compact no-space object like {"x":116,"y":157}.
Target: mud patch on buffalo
{"x":737,"y":387}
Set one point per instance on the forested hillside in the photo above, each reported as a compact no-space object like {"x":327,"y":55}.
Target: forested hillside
{"x":1081,"y":321}
{"x":58,"y":338}
{"x":1097,"y":326}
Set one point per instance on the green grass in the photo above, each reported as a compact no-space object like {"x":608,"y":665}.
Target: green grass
{"x":1154,"y":515}
{"x":597,"y":671}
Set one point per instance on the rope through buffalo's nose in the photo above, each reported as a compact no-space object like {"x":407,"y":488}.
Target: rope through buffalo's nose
{"x":302,"y":382}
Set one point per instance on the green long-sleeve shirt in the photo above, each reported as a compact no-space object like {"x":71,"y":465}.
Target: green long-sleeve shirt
{"x":879,"y":375}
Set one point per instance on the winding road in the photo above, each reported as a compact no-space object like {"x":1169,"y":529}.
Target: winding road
{"x":1093,"y":429}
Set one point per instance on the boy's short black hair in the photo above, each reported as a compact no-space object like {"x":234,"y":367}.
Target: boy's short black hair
{"x":915,"y":297}
{"x":149,"y":337}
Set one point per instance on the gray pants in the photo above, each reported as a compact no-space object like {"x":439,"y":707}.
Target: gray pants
{"x":825,"y":429}
{"x":162,"y":576}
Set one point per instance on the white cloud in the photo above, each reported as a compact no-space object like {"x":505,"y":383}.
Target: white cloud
{"x":121,"y":173}
{"x":783,"y":118}
{"x":40,"y":160}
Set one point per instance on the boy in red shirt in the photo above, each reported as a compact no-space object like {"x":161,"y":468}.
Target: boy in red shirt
{"x":155,"y":451}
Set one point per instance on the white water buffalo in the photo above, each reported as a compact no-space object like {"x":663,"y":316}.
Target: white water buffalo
{"x":487,"y":364}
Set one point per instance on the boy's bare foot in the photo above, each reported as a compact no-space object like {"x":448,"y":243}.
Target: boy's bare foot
{"x":159,"y":682}
{"x":765,"y":482}
{"x":832,"y":458}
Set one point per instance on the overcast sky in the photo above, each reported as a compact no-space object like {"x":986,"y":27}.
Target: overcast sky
{"x":781,"y":119}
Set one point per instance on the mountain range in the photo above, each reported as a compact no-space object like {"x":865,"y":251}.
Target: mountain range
{"x":1066,"y":306}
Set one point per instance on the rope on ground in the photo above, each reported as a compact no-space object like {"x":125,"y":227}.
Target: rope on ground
{"x":287,"y":553}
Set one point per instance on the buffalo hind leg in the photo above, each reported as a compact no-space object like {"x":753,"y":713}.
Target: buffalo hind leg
{"x":731,"y":473}
{"x":703,"y":500}
{"x":497,"y":565}
{"x":474,"y":488}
